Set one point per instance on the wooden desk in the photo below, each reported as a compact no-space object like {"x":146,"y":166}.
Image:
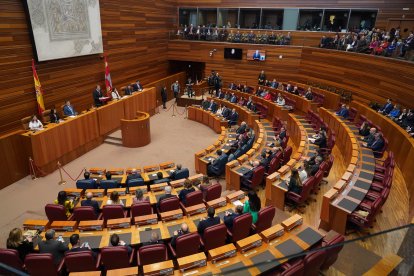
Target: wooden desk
{"x":110,"y":115}
{"x":332,"y":100}
{"x":206,"y":117}
{"x":136,"y":132}
{"x":144,"y":101}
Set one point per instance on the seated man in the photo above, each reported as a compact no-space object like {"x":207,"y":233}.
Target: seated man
{"x":343,"y":112}
{"x":137,"y":86}
{"x":242,"y":128}
{"x":133,"y":175}
{"x":225,"y":112}
{"x":308,"y":95}
{"x":209,"y":221}
{"x":295,"y":90}
{"x":395,"y":113}
{"x":264,"y":161}
{"x":178,"y":172}
{"x":229,"y":217}
{"x":370,"y":137}
{"x":249,"y":174}
{"x":129,"y":90}
{"x":180,"y":232}
{"x":97,"y":95}
{"x":274,"y":84}
{"x":155,"y":239}
{"x":217,"y":166}
{"x":68,"y":110}
{"x":77,"y":246}
{"x":386,"y":108}
{"x":313,"y":169}
{"x":233,"y":117}
{"x":115,"y":241}
{"x":160,"y":179}
{"x":212,"y":106}
{"x":376,"y":145}
{"x":55,"y":247}
{"x":87,"y":181}
{"x":188,"y":188}
{"x":90,"y":202}
{"x":167,"y":191}
{"x":233,"y":98}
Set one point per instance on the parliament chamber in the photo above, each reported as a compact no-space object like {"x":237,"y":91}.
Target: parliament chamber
{"x":229,"y":137}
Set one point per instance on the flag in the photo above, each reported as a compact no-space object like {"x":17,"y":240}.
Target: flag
{"x":39,"y":90}
{"x":108,"y":81}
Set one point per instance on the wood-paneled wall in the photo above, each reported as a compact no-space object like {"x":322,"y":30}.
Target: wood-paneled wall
{"x":368,"y":77}
{"x":135,"y":37}
{"x":387,"y":8}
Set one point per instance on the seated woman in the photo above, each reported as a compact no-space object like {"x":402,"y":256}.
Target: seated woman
{"x":242,"y":101}
{"x":219,"y":110}
{"x":139,"y":197}
{"x":280,"y":100}
{"x":295,"y":183}
{"x":252,"y":205}
{"x":53,"y":116}
{"x":267,"y":96}
{"x":35,"y":124}
{"x":395,"y":112}
{"x":114,"y":199}
{"x":63,"y":200}
{"x":188,"y":188}
{"x":23,"y":245}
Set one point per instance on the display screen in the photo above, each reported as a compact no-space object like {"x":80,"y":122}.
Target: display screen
{"x":233,"y":53}
{"x":259,"y":55}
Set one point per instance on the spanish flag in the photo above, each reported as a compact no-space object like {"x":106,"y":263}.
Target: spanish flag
{"x":39,"y":91}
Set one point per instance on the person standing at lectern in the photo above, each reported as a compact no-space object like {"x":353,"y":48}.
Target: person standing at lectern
{"x":97,"y":94}
{"x":175,"y":88}
{"x":262,"y":78}
{"x":164,"y":96}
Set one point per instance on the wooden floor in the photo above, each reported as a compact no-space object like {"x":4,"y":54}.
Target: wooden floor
{"x":394,"y":213}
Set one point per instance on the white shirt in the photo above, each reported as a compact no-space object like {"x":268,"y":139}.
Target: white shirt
{"x":280,"y":101}
{"x":303,"y":175}
{"x":35,"y":125}
{"x":115,"y":94}
{"x":110,"y":202}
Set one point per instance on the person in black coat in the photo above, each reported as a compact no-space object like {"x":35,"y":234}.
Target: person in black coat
{"x":23,"y":245}
{"x":180,"y":232}
{"x":164,"y":96}
{"x":90,"y":202}
{"x":128,"y":90}
{"x":229,"y":217}
{"x":155,"y":239}
{"x":55,"y":247}
{"x":77,"y":246}
{"x":54,"y":117}
{"x":161,"y":178}
{"x":188,"y":188}
{"x":295,"y":184}
{"x":209,"y":221}
{"x":97,"y":94}
{"x":217,"y":167}
{"x":321,"y":141}
{"x":242,"y":128}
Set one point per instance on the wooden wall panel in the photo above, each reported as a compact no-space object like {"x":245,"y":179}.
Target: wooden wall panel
{"x":135,"y":37}
{"x":387,"y":8}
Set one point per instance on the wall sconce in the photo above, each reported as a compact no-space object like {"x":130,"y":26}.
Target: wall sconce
{"x":212,"y":52}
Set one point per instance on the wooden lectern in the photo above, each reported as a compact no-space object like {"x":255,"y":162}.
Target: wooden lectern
{"x":136,"y":132}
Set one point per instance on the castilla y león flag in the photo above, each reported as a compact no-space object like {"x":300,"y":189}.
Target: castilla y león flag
{"x":108,"y":81}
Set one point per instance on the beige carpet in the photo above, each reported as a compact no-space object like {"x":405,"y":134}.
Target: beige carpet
{"x":172,"y":139}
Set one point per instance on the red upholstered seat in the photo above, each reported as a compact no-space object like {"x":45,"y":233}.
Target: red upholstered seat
{"x":42,"y":264}
{"x":265,"y":218}
{"x":286,"y":155}
{"x":81,"y":261}
{"x":241,"y":227}
{"x":114,"y":257}
{"x":84,"y":213}
{"x":333,"y":252}
{"x":193,"y":198}
{"x":140,"y":209}
{"x":11,"y":258}
{"x":113,"y":212}
{"x":257,"y":178}
{"x":213,"y":192}
{"x":150,"y":254}
{"x":169,"y":204}
{"x":56,"y":212}
{"x":214,"y":236}
{"x":185,"y":245}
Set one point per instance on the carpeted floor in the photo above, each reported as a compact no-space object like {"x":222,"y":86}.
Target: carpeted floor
{"x":171,"y":140}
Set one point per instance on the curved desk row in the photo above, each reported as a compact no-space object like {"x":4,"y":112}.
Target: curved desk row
{"x":207,"y":118}
{"x":350,"y":190}
{"x":332,"y":100}
{"x":75,"y":136}
{"x":302,"y":104}
{"x":399,"y":142}
{"x":276,"y":183}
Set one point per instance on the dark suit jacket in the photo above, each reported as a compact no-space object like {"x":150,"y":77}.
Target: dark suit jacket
{"x":309,"y":96}
{"x":184,"y":193}
{"x":128,"y":91}
{"x":249,"y":174}
{"x":377,"y":145}
{"x":163,"y":94}
{"x":219,"y":164}
{"x":174,"y":238}
{"x":234,"y":117}
{"x":92,"y":203}
{"x":68,"y":112}
{"x":294,"y":187}
{"x":233,"y":99}
{"x":56,"y":248}
{"x":96,"y":95}
{"x":321,"y":142}
{"x":137,"y":87}
{"x":369,"y":139}
{"x":202,"y":225}
{"x":226,"y":113}
{"x":213,"y":107}
{"x":228,"y":220}
{"x":241,"y":129}
{"x":54,"y":118}
{"x":162,"y":198}
{"x":314,"y":169}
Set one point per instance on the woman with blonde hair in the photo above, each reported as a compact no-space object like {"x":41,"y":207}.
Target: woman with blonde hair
{"x":16,"y":241}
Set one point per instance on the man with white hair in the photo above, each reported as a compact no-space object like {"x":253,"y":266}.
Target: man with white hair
{"x":90,"y":202}
{"x":368,"y":139}
{"x":167,"y":191}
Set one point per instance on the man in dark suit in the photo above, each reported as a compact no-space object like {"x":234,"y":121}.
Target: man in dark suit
{"x":212,"y":106}
{"x":217,"y":82}
{"x":167,"y":194}
{"x":226,"y":112}
{"x":164,"y":96}
{"x":160,"y":179}
{"x":77,"y":246}
{"x":249,"y":174}
{"x":177,"y":172}
{"x":128,"y":90}
{"x":274,"y":84}
{"x":242,"y":128}
{"x":309,"y":95}
{"x":386,"y":108}
{"x":377,"y":144}
{"x":180,"y":232}
{"x":315,"y":167}
{"x":220,"y":94}
{"x":155,"y":239}
{"x":90,"y":202}
{"x":55,"y":247}
{"x":262,"y":77}
{"x":97,"y":94}
{"x":209,"y":221}
{"x":216,"y":168}
{"x":68,"y":110}
{"x":137,"y":86}
{"x":343,"y":112}
{"x":233,"y":117}
{"x":115,"y":241}
{"x":229,"y":217}
{"x":233,"y":98}
{"x":370,"y":137}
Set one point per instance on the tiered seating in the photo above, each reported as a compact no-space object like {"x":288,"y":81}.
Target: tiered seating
{"x":330,"y":100}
